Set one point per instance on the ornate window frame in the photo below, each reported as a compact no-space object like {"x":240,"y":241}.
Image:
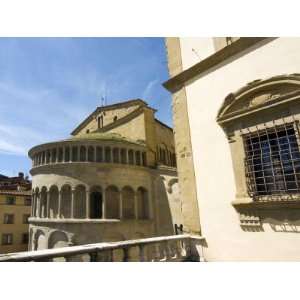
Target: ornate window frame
{"x":259,"y":106}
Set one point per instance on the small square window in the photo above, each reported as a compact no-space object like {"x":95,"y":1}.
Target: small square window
{"x":25,"y":218}
{"x":27,"y":201}
{"x":7,"y":239}
{"x":25,"y":238}
{"x":9,"y":219}
{"x":10,"y":200}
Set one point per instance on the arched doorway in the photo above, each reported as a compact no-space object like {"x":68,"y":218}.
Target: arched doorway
{"x":96,"y":205}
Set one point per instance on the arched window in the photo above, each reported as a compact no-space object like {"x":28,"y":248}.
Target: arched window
{"x":74,"y":153}
{"x":67,"y":154}
{"x":43,"y":203}
{"x":115,"y":118}
{"x":128,"y":203}
{"x":138,"y":158}
{"x":116,"y":158}
{"x":123,"y":156}
{"x":107,"y":154}
{"x":99,"y":154}
{"x":79,"y":202}
{"x":143,"y":203}
{"x":112,"y":203}
{"x":37,"y":203}
{"x":66,"y":201}
{"x":91,"y":153}
{"x":53,"y":204}
{"x":95,"y":203}
{"x":130,"y":157}
{"x":82,"y":153}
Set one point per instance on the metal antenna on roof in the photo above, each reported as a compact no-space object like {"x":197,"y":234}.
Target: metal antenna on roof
{"x":102,"y":100}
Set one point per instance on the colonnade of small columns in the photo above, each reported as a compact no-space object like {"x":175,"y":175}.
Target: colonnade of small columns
{"x":92,"y":153}
{"x":81,"y":203}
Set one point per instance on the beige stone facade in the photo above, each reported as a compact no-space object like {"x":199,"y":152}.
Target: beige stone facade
{"x":114,"y":179}
{"x":15,"y":208}
{"x":242,"y":122}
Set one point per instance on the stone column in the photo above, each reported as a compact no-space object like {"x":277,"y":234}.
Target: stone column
{"x":111,"y":155}
{"x":136,"y":214}
{"x":104,"y":203}
{"x":72,"y":203}
{"x":95,"y":154}
{"x":63,"y":156}
{"x":149,"y":202}
{"x":87,"y":204}
{"x":59,"y":204}
{"x":121,"y":205}
{"x":48,"y":205}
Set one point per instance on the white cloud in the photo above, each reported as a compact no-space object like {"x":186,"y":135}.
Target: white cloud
{"x":148,"y":89}
{"x":9,"y":148}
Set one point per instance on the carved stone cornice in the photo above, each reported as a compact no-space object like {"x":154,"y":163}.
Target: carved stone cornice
{"x":259,"y":95}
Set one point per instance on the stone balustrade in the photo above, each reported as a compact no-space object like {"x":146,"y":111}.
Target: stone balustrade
{"x":156,"y":249}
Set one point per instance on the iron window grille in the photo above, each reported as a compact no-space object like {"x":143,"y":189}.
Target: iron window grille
{"x":272,"y":161}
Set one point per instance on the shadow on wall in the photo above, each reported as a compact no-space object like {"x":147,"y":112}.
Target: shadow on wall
{"x":165,"y":223}
{"x":283,"y":220}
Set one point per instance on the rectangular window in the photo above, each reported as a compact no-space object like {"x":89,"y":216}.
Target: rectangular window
{"x":25,"y":238}
{"x":272,"y":161}
{"x":8,"y":219}
{"x":7,"y":239}
{"x":25,"y":218}
{"x":10,"y":200}
{"x":27,"y":201}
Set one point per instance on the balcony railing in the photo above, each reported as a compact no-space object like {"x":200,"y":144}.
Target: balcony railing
{"x":166,"y":248}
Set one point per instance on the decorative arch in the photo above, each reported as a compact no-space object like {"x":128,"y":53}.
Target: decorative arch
{"x":96,"y":202}
{"x":259,"y":95}
{"x":112,"y":198}
{"x":128,"y":203}
{"x":58,"y":239}
{"x":43,"y":203}
{"x":66,"y":196}
{"x":53,"y":202}
{"x":36,"y":202}
{"x":80,"y":202}
{"x":40,"y":241}
{"x":142,"y":203}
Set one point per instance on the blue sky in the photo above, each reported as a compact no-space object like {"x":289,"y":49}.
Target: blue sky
{"x":49,"y":85}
